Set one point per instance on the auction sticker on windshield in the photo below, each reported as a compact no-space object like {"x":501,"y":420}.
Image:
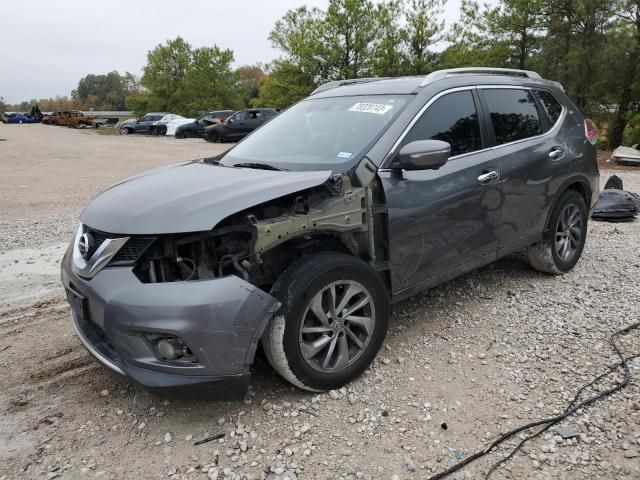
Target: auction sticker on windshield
{"x":378,"y":108}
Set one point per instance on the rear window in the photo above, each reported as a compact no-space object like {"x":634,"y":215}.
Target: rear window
{"x":552,"y":107}
{"x":514,"y":115}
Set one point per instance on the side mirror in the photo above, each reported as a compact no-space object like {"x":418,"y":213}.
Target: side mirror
{"x":424,"y":155}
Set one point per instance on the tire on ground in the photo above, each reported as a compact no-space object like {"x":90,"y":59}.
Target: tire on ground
{"x":294,"y":289}
{"x":543,"y":255}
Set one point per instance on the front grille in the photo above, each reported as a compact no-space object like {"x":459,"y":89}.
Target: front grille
{"x":129,"y":253}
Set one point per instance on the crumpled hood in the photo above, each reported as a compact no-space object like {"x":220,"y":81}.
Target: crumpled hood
{"x":189,"y":197}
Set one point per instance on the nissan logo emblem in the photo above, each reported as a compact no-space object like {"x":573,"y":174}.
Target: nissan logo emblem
{"x":85,"y":245}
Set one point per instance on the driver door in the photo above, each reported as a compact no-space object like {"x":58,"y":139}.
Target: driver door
{"x":443,"y":222}
{"x":234,"y":127}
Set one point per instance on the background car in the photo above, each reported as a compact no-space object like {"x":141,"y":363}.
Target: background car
{"x":71,"y":118}
{"x":238,"y":125}
{"x":160,"y":127}
{"x":196,"y":128}
{"x":18,"y":118}
{"x":173,"y":125}
{"x":142,"y":125}
{"x":104,"y":122}
{"x":50,"y":118}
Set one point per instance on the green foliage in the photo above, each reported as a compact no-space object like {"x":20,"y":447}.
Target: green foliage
{"x":250,"y":77}
{"x":285,"y":84}
{"x":591,"y":46}
{"x":105,"y":92}
{"x":180,"y":79}
{"x":632,"y":130}
{"x":424,"y":29}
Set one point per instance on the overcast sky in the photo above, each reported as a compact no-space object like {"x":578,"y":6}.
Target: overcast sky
{"x":48,"y":45}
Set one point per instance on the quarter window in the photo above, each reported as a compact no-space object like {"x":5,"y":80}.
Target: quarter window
{"x":551,"y":106}
{"x":513,"y":114}
{"x":452,"y":118}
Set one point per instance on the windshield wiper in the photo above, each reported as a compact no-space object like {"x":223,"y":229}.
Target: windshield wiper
{"x":259,"y":166}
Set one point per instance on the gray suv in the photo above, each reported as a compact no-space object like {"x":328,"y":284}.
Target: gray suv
{"x":299,"y":238}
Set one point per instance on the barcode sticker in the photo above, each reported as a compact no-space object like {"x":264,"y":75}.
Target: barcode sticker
{"x":378,"y":108}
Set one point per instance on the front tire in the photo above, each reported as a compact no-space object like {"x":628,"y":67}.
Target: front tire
{"x":331,"y":324}
{"x":564,"y":240}
{"x":213,"y":137}
{"x":124,"y":131}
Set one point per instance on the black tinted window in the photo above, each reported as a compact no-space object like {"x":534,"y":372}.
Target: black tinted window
{"x":551,"y":106}
{"x":452,"y":118}
{"x":513,"y":114}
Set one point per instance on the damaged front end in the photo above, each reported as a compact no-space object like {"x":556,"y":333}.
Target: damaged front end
{"x":258,"y":244}
{"x":182,"y":313}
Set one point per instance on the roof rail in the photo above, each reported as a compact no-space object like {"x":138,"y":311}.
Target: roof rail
{"x":440,"y":74}
{"x":340,"y":83}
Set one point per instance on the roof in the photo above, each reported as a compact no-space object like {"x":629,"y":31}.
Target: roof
{"x":408,"y":85}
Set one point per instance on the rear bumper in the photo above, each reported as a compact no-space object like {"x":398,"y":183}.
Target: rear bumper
{"x":220,"y":320}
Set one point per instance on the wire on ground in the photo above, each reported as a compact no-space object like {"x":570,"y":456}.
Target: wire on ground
{"x":551,"y":421}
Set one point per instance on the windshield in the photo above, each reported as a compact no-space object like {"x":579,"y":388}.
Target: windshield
{"x":319,"y":133}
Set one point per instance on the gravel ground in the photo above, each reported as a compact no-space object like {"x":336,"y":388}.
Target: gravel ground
{"x":478,"y":356}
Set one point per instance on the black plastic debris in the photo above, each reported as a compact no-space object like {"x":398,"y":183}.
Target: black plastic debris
{"x":615,"y":204}
{"x":614,"y":182}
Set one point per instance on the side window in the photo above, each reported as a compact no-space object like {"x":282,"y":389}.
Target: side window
{"x":551,"y":106}
{"x":514,"y":114}
{"x":452,"y":118}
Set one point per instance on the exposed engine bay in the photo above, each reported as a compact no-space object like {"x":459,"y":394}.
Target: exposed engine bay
{"x":259,"y":243}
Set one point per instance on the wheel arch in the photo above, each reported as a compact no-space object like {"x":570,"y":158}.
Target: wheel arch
{"x":577,"y":184}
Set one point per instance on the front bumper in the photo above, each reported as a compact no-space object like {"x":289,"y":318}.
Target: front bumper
{"x":220,"y":320}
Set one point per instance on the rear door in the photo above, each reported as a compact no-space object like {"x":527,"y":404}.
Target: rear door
{"x":532,"y":158}
{"x":445,"y":220}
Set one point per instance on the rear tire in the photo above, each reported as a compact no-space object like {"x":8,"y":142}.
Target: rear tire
{"x":563,"y":242}
{"x":331,"y":324}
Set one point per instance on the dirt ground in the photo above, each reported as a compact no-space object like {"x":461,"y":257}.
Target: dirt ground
{"x":462,"y":363}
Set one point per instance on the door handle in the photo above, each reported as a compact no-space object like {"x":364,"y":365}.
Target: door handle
{"x":556,"y":153}
{"x":489,"y":177}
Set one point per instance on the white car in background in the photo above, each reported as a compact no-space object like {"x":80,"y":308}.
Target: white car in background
{"x":173,"y":125}
{"x":161,"y":126}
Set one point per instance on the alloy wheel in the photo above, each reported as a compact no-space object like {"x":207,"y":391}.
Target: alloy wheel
{"x":569,"y":232}
{"x":337,"y":326}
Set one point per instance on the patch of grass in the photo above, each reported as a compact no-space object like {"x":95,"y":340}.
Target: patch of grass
{"x":106,"y":131}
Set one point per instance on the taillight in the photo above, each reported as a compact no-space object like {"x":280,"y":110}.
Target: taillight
{"x":591,"y":131}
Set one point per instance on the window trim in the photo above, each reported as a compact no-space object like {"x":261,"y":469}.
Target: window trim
{"x":385,"y":165}
{"x":536,"y":93}
{"x":553,"y":128}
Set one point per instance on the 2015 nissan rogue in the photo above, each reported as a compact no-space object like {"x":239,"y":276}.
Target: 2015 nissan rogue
{"x":302,"y":235}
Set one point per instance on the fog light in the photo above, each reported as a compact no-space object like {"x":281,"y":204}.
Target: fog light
{"x":170,"y":348}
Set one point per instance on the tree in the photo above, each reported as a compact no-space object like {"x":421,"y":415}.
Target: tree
{"x":389,"y":56}
{"x":180,"y":79}
{"x":347,"y":34}
{"x":105,"y":92}
{"x":627,"y":42}
{"x":423,"y":31}
{"x":164,"y":72}
{"x":208,"y":83}
{"x":508,"y":34}
{"x":284,"y":84}
{"x":250,"y":77}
